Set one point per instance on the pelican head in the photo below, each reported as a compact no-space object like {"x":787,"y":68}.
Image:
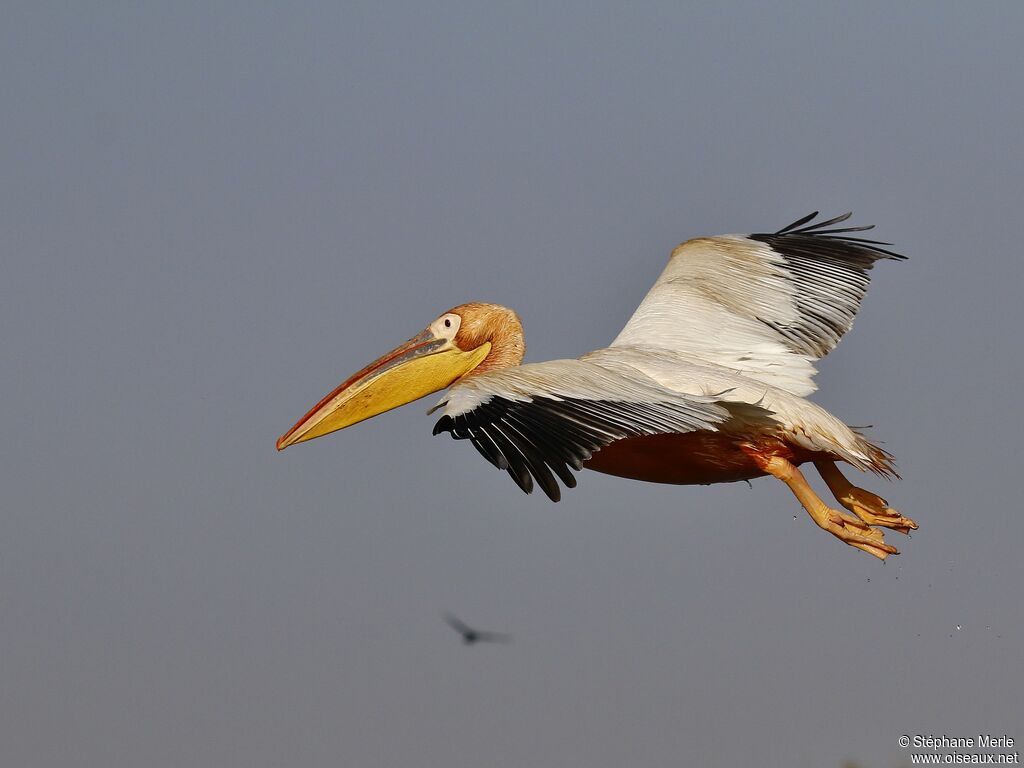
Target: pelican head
{"x":465,"y":339}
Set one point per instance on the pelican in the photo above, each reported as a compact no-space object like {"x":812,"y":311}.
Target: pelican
{"x":706,"y":383}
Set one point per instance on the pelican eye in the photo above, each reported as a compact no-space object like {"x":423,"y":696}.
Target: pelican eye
{"x":446,"y":326}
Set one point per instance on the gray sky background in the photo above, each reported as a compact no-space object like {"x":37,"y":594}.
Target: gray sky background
{"x":212,"y":213}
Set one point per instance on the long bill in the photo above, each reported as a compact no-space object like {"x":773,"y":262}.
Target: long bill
{"x":424,"y":364}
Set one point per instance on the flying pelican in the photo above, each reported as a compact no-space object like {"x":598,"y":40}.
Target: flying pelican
{"x":705,"y":384}
{"x":472,"y":636}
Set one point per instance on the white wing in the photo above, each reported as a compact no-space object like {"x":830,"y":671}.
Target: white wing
{"x":540,"y":420}
{"x":767,"y":305}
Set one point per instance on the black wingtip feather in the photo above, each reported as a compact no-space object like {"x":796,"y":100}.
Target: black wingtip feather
{"x":797,"y":230}
{"x":797,"y":223}
{"x":837,"y":220}
{"x":797,"y":227}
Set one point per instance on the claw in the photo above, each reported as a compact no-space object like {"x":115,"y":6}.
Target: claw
{"x":880,"y":553}
{"x":858,"y":534}
{"x":874,"y":510}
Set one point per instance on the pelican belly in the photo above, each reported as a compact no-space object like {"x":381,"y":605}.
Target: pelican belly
{"x":694,"y":458}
